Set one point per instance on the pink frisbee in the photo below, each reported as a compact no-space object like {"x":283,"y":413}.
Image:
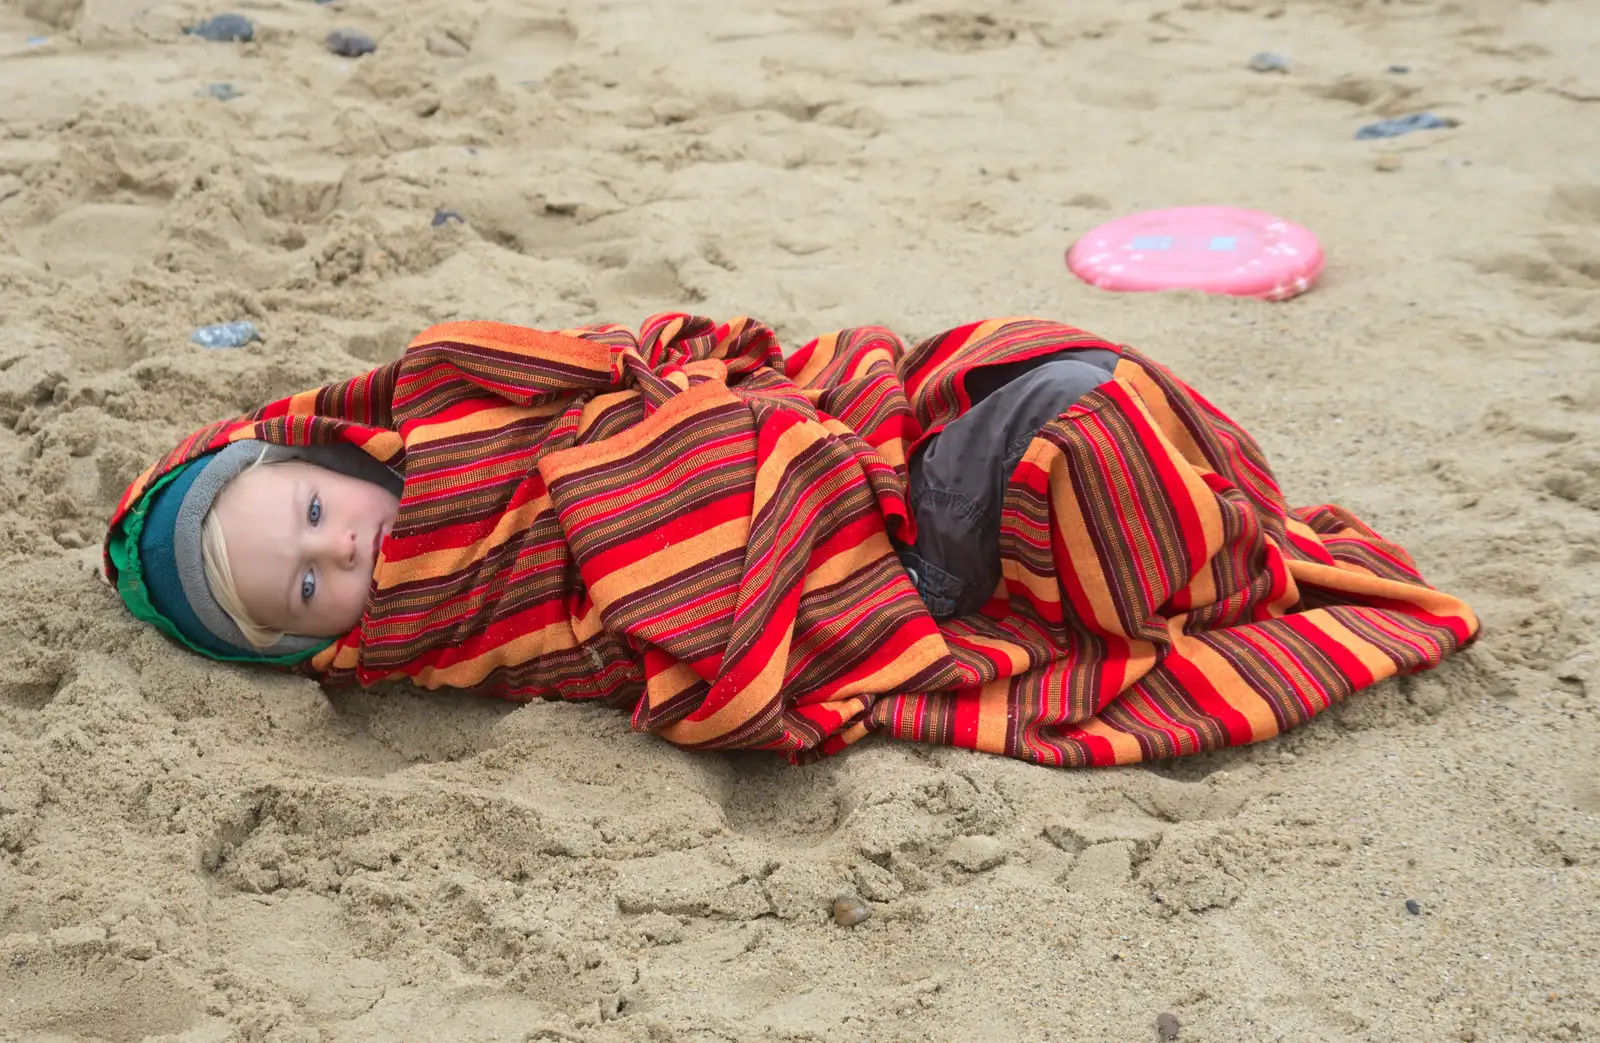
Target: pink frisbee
{"x":1217,"y":249}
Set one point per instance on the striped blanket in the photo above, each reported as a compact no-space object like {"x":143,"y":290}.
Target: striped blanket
{"x":687,"y":524}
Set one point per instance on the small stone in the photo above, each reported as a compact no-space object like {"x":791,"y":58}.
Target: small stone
{"x":224,"y":27}
{"x":1167,"y":1026}
{"x":1399,"y":70}
{"x":1393,"y":128}
{"x":1387,"y":163}
{"x":443,"y":217}
{"x":1413,"y":907}
{"x":848,"y":910}
{"x":226,"y":335}
{"x":70,"y":539}
{"x":1287,"y":758}
{"x":1268,"y":61}
{"x":219,"y":91}
{"x":976,"y":853}
{"x":349,"y":43}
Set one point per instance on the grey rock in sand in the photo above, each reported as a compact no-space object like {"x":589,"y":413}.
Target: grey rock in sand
{"x":223,"y":28}
{"x":350,"y":43}
{"x":1268,"y":61}
{"x":1393,"y":128}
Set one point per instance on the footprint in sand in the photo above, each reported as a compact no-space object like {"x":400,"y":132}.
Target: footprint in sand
{"x":767,"y":799}
{"x":1568,"y":260}
{"x":47,"y":992}
{"x":105,"y":239}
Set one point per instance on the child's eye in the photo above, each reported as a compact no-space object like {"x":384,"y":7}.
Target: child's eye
{"x":308,"y":586}
{"x":314,"y":511}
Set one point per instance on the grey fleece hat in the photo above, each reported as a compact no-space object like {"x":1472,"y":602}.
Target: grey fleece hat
{"x":170,"y":543}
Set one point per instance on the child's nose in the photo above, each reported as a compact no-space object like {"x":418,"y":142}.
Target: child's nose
{"x":340,"y":548}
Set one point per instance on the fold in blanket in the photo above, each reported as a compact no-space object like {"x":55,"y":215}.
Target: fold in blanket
{"x":684,"y":523}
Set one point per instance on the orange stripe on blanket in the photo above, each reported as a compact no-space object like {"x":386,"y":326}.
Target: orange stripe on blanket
{"x":1072,"y":529}
{"x":1372,"y":658}
{"x":596,"y":406}
{"x":385,"y":445}
{"x":547,"y":639}
{"x":1202,"y":502}
{"x":790,"y":443}
{"x":425,"y":565}
{"x":1347,"y":579}
{"x":482,"y":420}
{"x":670,"y":682}
{"x":1189,"y":654}
{"x":652,"y":568}
{"x":892,"y":675}
{"x":521,"y":340}
{"x":759,"y":693}
{"x":1125,"y":748}
{"x":1013,"y":657}
{"x":994,"y":716}
{"x":1133,"y":375}
{"x":836,"y":568}
{"x":678,"y":409}
{"x":823,"y":351}
{"x":303,"y":404}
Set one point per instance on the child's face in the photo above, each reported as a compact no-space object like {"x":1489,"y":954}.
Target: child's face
{"x":302,"y":544}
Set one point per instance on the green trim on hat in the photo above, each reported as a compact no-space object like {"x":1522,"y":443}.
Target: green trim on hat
{"x":124,"y":550}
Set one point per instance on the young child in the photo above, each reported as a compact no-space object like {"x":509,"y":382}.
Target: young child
{"x":242,"y":560}
{"x":1014,"y":537}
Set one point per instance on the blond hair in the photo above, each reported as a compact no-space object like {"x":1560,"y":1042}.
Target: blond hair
{"x":219,"y":575}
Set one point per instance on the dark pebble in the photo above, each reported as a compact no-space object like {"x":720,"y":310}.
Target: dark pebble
{"x":1399,"y":70}
{"x":224,"y":27}
{"x":1413,"y":907}
{"x":226,"y":335}
{"x":1393,"y":128}
{"x":219,"y":91}
{"x":1167,"y":1026}
{"x":444,"y":217}
{"x":350,"y":43}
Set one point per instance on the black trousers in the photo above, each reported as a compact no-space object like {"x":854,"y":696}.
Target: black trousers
{"x":959,"y":478}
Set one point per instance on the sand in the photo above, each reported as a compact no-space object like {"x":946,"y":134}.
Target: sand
{"x":192,"y":852}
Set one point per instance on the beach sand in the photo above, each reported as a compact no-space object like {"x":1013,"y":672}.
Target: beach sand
{"x":193,"y":852}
